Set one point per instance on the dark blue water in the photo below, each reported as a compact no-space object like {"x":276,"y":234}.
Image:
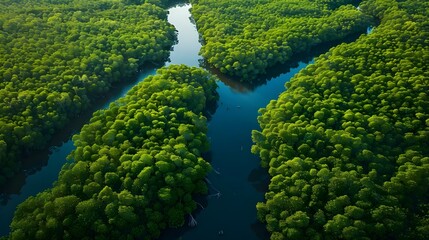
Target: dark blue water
{"x":237,"y":183}
{"x":240,"y":180}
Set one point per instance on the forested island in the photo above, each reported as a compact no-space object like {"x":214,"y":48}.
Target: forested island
{"x":346,"y":145}
{"x":57,"y":56}
{"x":136,"y":167}
{"x":243,"y":38}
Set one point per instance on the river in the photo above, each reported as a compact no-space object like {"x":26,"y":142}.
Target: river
{"x":237,"y":183}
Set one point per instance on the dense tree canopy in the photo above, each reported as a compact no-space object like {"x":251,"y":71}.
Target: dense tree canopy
{"x":347,"y":143}
{"x":136,"y":167}
{"x":57,"y":55}
{"x":243,"y":38}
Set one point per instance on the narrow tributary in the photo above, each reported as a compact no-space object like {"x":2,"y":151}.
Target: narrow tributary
{"x":237,"y":183}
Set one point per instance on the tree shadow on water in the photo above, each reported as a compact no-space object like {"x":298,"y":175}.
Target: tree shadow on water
{"x":260,"y":230}
{"x":210,"y":109}
{"x":259,"y":179}
{"x":33,"y":162}
{"x":243,"y":86}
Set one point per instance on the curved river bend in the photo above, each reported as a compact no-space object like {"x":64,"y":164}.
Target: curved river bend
{"x":237,"y":183}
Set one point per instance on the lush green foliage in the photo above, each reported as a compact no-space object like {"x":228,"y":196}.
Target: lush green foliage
{"x":243,"y":38}
{"x":55,"y":57}
{"x":136,"y":167}
{"x":347,"y":143}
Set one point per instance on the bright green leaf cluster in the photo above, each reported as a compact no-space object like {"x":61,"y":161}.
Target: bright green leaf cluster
{"x":55,"y":57}
{"x":243,"y":38}
{"x":136,"y":167}
{"x":347,"y":143}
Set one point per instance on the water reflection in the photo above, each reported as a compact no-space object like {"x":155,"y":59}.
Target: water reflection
{"x":231,"y":214}
{"x":259,"y":179}
{"x":41,"y":168}
{"x":260,"y":230}
{"x":241,"y":86}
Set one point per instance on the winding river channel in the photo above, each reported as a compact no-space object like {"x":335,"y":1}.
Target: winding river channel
{"x":237,"y":183}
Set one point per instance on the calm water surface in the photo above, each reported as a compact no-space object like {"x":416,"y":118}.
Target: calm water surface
{"x":238,"y":182}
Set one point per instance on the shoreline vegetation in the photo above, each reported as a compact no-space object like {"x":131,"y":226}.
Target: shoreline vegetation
{"x":136,"y":167}
{"x":58,"y":56}
{"x":346,"y":143}
{"x":244,"y":38}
